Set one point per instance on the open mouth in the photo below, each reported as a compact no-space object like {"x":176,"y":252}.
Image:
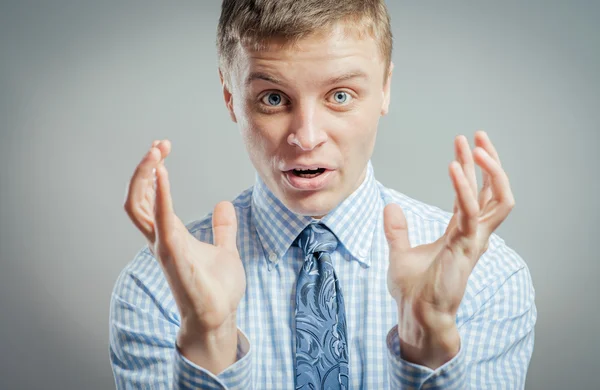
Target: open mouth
{"x":310,"y":179}
{"x":308,"y":173}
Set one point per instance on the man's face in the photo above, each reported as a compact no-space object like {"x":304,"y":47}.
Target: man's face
{"x":313,"y":107}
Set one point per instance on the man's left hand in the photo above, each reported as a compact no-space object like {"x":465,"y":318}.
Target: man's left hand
{"x":428,"y":282}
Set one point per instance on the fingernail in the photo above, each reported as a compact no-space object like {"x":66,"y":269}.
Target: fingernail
{"x":150,"y":151}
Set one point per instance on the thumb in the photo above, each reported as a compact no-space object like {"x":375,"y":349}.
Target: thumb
{"x":396,"y":228}
{"x":224,"y":224}
{"x":164,"y":216}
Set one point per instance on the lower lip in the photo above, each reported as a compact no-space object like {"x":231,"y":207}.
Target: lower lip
{"x":309,"y":184}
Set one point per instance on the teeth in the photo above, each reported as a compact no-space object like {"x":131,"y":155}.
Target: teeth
{"x":309,"y":173}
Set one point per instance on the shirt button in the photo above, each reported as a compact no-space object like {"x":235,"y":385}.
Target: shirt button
{"x":273,"y":257}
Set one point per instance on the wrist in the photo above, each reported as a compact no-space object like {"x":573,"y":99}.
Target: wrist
{"x":430,"y":349}
{"x":213,"y":350}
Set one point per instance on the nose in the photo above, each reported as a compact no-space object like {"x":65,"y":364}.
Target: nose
{"x":306,"y":133}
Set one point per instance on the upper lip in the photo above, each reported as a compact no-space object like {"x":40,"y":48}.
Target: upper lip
{"x":302,"y":166}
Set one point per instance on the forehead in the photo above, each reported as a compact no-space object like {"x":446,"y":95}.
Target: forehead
{"x":327,"y":54}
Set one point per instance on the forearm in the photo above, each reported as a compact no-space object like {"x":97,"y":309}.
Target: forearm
{"x":212,"y":350}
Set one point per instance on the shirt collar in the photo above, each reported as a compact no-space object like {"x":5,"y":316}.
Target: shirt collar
{"x":352,"y":221}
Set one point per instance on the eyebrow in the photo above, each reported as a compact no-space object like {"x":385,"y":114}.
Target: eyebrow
{"x":333,"y":80}
{"x":263,"y":76}
{"x":355,"y":74}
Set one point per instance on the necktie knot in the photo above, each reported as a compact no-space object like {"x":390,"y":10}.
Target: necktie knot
{"x":316,"y":238}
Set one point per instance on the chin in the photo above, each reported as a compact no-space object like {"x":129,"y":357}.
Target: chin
{"x":315,"y":204}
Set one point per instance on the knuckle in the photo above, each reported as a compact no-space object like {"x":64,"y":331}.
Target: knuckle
{"x":127,"y":206}
{"x":472,"y":211}
{"x":509,"y":203}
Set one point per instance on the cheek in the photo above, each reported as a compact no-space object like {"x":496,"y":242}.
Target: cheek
{"x":357,"y":132}
{"x":264,"y":135}
{"x":369,"y":124}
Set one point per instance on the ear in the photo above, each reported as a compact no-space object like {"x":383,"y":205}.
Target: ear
{"x":228,"y":96}
{"x":386,"y":91}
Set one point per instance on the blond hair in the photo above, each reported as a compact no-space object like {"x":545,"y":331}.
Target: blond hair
{"x":257,"y":22}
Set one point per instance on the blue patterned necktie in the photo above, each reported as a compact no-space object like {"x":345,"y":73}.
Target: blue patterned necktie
{"x":321,"y":348}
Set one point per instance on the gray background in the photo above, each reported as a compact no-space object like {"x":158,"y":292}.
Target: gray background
{"x":85,"y":88}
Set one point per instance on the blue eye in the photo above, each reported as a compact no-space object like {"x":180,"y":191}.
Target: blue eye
{"x":341,"y":97}
{"x":272,"y":99}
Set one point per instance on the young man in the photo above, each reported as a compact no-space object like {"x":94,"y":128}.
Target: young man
{"x":318,"y":276}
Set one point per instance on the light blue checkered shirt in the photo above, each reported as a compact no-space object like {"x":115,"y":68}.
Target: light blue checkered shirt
{"x":496,"y":317}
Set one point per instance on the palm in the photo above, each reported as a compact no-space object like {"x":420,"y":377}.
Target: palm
{"x":428,"y":282}
{"x":207,"y":281}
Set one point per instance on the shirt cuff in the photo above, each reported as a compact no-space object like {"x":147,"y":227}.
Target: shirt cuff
{"x":407,"y":375}
{"x":189,"y":375}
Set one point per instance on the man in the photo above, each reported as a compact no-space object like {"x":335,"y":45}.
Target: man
{"x":318,"y":276}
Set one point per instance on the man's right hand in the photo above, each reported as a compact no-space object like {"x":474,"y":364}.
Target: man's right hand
{"x":207,"y":281}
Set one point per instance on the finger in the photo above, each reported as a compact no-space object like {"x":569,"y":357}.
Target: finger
{"x":136,"y":190}
{"x":467,"y":204}
{"x":396,"y":228}
{"x":499,"y":184}
{"x":483,"y":141}
{"x":163,"y":209}
{"x":165,"y":148}
{"x":224,"y":224}
{"x":464,"y":156}
{"x":485,"y":195}
{"x":498,"y":178}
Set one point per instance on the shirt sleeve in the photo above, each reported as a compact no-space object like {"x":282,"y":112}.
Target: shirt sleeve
{"x":237,"y":376}
{"x":143,"y":333}
{"x":496,"y":345}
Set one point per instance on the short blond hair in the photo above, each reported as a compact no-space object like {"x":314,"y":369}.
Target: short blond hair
{"x":256,"y":22}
